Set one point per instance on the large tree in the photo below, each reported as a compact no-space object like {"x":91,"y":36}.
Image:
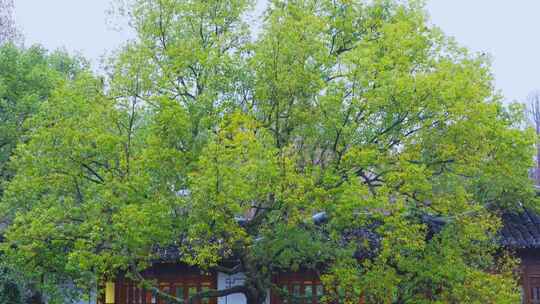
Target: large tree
{"x":27,"y":78}
{"x":222,"y":144}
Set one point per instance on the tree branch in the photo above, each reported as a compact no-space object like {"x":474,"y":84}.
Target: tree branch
{"x":196,"y":297}
{"x":217,"y":293}
{"x":236,"y":269}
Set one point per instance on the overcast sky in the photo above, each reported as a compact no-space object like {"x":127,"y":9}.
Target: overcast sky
{"x":508,"y":30}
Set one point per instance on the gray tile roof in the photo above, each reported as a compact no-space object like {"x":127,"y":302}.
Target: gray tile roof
{"x":521,"y":229}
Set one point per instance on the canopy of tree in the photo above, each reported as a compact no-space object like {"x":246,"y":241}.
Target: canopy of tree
{"x":27,"y":78}
{"x":360,"y":109}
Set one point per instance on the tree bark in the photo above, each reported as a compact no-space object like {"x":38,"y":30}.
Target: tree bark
{"x":255,"y":297}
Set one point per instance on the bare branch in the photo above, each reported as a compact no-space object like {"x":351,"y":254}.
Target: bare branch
{"x":217,"y":293}
{"x":8,"y":31}
{"x":533,"y":113}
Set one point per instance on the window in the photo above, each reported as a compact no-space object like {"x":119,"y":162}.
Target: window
{"x":205,"y":287}
{"x":297,"y":289}
{"x":180,"y":291}
{"x":182,"y":286}
{"x":534,"y":290}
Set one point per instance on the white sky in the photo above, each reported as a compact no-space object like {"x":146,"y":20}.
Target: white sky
{"x":508,"y":30}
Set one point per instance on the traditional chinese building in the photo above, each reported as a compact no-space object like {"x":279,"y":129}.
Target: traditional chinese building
{"x":521,"y":234}
{"x":183,"y":281}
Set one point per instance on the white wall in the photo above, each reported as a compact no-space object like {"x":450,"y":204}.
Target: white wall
{"x":225,"y":281}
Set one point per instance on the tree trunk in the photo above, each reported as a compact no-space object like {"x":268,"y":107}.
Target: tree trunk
{"x":256,"y":290}
{"x":256,"y":298}
{"x":36,"y":298}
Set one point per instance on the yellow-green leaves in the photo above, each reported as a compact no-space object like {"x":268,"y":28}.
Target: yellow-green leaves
{"x":223,"y":145}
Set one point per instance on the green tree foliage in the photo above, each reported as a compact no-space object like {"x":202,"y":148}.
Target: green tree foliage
{"x":223,"y":144}
{"x":27,"y":77}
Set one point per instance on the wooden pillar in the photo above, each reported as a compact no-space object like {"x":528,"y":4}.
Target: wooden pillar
{"x":110,"y":293}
